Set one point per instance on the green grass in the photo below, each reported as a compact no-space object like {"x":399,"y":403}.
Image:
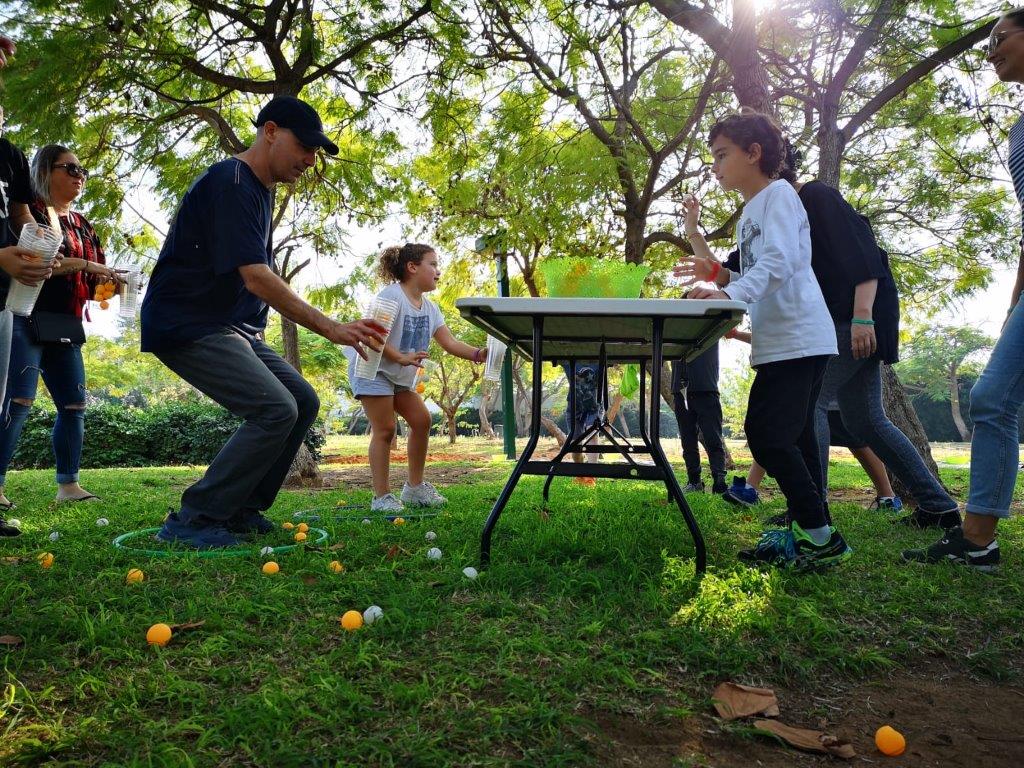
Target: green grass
{"x":593,"y":609}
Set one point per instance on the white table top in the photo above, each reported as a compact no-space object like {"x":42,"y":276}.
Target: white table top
{"x":578,"y":327}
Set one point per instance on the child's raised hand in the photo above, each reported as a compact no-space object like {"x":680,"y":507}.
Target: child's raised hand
{"x":412,"y":358}
{"x":691,"y":214}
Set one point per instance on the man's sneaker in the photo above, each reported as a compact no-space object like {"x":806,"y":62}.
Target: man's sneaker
{"x":422,"y":495}
{"x":740,"y":493}
{"x":697,"y":487}
{"x":886,"y":504}
{"x":201,"y":536}
{"x":6,"y":529}
{"x":921,"y":519}
{"x":792,"y":548}
{"x":250,"y":522}
{"x":386,"y":503}
{"x":954,"y":548}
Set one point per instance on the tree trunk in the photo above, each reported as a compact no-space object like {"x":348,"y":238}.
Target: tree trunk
{"x":635,"y":225}
{"x":554,"y":430}
{"x":486,"y":398}
{"x":954,"y":405}
{"x":452,"y":434}
{"x":901,"y":412}
{"x":290,"y":340}
{"x":750,"y":78}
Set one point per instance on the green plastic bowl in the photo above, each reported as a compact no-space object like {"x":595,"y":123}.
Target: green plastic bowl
{"x":593,"y":278}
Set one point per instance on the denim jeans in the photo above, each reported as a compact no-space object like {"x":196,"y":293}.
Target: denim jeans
{"x":996,"y":399}
{"x":277,"y":405}
{"x":857,"y":386}
{"x":64,"y":375}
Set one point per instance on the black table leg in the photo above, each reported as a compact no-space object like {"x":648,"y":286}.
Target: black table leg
{"x":531,"y":445}
{"x":660,"y":459}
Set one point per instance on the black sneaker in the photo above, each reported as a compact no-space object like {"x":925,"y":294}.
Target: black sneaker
{"x":697,"y":487}
{"x":792,"y":548}
{"x":718,"y":486}
{"x":921,"y":519}
{"x":954,"y":548}
{"x":6,"y":529}
{"x":780,"y":521}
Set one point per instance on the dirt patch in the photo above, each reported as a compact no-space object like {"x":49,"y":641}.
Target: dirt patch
{"x":358,"y":476}
{"x":396,"y":457}
{"x":950,"y":720}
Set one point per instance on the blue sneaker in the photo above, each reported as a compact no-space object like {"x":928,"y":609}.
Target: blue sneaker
{"x":887,"y":504}
{"x":740,"y":493}
{"x":209,"y":536}
{"x":792,"y":548}
{"x":250,"y":522}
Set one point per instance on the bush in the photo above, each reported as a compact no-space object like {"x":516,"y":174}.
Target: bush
{"x":189,"y":432}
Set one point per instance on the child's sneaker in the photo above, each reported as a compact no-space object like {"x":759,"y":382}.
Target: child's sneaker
{"x":886,"y":504}
{"x":6,"y":529}
{"x":919,"y":518}
{"x":198,"y":536}
{"x":697,"y":487}
{"x":387,"y":503}
{"x":422,"y":495}
{"x":954,"y":548}
{"x":793,"y":548}
{"x":740,"y":493}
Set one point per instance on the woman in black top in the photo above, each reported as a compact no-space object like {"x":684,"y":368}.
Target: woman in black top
{"x":855,"y":280}
{"x":57,"y":179}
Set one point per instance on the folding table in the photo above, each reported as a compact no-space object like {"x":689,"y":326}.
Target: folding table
{"x":644,"y":331}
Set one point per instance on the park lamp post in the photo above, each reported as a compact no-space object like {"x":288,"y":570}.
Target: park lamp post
{"x":494,"y":245}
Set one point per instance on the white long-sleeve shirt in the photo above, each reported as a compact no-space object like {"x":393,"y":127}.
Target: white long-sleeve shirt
{"x":788,"y":316}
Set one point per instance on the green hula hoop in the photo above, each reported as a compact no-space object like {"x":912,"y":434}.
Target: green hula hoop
{"x":119,"y":543}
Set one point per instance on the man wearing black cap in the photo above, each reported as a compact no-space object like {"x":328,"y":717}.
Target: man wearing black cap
{"x":204,"y":314}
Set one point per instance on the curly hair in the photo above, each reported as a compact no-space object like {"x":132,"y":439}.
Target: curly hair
{"x":391,"y":267}
{"x":791,"y":165}
{"x":748,"y":127}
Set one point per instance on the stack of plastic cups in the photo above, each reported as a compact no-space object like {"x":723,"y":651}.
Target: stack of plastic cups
{"x":495,"y":357}
{"x":383,"y":311}
{"x":130,"y":292}
{"x":43,"y":242}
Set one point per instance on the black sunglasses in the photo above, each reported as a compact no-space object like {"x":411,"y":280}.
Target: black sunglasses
{"x":74,"y":170}
{"x":997,"y":39}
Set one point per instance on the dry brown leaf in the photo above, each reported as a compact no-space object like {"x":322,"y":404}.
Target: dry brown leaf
{"x":336,"y":547}
{"x":733,"y":700}
{"x":187,"y":626}
{"x":392,"y":552}
{"x":12,"y":560}
{"x":309,"y":580}
{"x":11,"y":641}
{"x":806,"y":739}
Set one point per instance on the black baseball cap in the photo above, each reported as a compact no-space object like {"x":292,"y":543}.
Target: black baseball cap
{"x":299,"y":118}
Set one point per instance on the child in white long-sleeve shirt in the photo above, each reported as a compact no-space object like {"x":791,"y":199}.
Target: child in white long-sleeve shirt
{"x":793,"y":335}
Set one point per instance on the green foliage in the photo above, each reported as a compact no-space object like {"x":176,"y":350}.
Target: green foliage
{"x":190,"y":432}
{"x":939,"y":354}
{"x":734,"y":390}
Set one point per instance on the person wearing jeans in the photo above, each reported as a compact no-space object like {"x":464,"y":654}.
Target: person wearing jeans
{"x":204,"y":314}
{"x":697,"y":407}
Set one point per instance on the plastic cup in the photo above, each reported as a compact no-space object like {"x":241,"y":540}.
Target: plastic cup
{"x":384,"y":312}
{"x":130,"y":292}
{"x":43,"y":242}
{"x":495,"y":357}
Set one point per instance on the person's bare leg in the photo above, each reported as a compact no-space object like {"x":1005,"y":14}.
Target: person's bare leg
{"x":755,"y":476}
{"x":410,"y":407}
{"x":875,"y":469}
{"x":980,"y":529}
{"x":380,"y":410}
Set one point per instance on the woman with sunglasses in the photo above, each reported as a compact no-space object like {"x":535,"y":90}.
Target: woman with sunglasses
{"x":39,"y":344}
{"x":998,"y":394}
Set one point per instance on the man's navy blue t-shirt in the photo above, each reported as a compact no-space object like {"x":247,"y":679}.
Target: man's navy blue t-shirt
{"x":223,"y":223}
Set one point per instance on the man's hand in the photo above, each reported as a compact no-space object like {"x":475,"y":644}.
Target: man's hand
{"x":693,"y":269}
{"x":355,"y":334}
{"x":863,"y":341}
{"x":700,"y":292}
{"x":24,"y":266}
{"x":412,"y":358}
{"x":7,"y":48}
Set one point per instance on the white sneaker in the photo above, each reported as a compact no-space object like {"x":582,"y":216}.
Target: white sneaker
{"x":386,"y":503}
{"x":422,"y":495}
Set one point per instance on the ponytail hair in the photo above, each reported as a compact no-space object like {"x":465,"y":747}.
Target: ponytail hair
{"x":748,"y":127}
{"x":392,"y":263}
